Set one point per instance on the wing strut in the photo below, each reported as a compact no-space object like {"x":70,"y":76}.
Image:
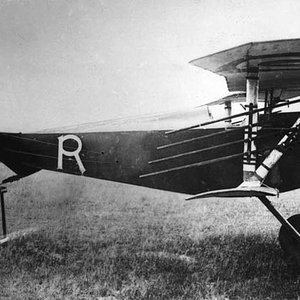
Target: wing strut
{"x":249,"y":162}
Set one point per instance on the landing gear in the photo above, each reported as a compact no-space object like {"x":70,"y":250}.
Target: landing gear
{"x":289,"y":244}
{"x":289,"y":237}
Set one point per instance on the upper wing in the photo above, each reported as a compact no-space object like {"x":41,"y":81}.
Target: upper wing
{"x":278,"y":63}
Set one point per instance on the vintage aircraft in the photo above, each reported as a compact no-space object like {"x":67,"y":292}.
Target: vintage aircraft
{"x":258,"y":146}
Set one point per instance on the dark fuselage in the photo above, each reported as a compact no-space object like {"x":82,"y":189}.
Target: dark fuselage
{"x":124,"y":155}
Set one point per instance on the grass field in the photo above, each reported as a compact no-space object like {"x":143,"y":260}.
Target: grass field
{"x":102,"y":240}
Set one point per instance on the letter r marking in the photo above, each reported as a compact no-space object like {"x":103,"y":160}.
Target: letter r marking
{"x":75,"y":153}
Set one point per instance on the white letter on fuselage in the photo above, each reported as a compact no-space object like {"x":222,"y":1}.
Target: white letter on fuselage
{"x":75,"y":153}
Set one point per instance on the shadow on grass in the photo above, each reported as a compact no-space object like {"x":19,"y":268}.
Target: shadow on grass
{"x":234,"y":266}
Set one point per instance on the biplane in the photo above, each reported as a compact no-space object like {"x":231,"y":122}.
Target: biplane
{"x":258,"y":146}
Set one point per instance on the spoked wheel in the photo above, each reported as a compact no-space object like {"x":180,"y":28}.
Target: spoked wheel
{"x":289,"y":244}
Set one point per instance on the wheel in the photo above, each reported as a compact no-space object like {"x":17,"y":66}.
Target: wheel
{"x":289,"y":244}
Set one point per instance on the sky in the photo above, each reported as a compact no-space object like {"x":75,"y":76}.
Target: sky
{"x":71,"y":62}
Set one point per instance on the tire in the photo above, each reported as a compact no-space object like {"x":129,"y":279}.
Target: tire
{"x":289,"y":244}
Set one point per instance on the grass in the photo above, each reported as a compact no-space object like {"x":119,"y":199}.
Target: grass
{"x":102,"y":240}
